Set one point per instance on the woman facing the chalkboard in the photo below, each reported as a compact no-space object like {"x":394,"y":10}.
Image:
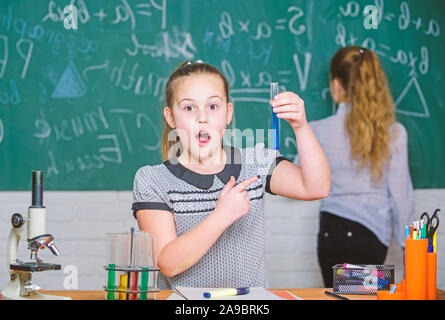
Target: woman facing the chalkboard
{"x":367,"y":152}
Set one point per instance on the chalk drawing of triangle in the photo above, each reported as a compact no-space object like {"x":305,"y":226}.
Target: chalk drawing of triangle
{"x":70,"y":84}
{"x":408,"y":104}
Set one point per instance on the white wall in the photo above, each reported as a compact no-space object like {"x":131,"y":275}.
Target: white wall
{"x":79,"y":221}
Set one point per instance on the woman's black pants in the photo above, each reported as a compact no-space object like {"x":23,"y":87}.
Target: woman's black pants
{"x":341,"y":240}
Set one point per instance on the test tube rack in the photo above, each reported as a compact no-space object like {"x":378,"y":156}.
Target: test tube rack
{"x":129,"y":292}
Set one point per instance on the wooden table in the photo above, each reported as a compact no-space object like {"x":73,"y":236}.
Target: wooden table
{"x":305,"y":294}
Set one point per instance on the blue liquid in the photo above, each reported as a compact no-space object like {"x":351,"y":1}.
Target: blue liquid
{"x":275,"y":131}
{"x":275,"y":120}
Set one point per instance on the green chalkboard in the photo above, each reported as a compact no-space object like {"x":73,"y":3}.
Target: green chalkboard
{"x":84,"y":105}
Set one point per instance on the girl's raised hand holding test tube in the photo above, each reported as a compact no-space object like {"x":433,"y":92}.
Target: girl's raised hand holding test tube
{"x":290,"y":107}
{"x":312,"y":179}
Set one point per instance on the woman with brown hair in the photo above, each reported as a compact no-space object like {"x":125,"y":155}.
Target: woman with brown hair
{"x":368,"y":154}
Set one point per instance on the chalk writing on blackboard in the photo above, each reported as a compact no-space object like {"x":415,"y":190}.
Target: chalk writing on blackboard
{"x":90,"y":101}
{"x":70,"y":84}
{"x":120,"y":13}
{"x":411,"y":101}
{"x":23,"y":48}
{"x":408,"y":107}
{"x":10,"y":94}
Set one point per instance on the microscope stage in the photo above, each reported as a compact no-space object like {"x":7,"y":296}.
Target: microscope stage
{"x":34,"y":266}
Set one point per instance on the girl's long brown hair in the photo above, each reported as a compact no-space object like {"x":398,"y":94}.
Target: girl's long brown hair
{"x":170,"y":141}
{"x":372,"y":112}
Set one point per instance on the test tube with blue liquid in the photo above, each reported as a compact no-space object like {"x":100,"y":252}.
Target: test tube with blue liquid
{"x":275,"y":120}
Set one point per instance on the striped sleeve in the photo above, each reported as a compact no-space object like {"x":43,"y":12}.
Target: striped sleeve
{"x":144,"y":194}
{"x":267,"y":159}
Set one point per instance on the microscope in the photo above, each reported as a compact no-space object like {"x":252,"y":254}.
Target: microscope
{"x":32,"y":227}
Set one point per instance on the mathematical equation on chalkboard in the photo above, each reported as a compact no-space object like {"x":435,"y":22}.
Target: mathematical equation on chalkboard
{"x":128,"y":48}
{"x":416,"y":61}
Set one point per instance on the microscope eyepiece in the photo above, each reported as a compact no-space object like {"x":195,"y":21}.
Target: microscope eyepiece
{"x":37,"y":189}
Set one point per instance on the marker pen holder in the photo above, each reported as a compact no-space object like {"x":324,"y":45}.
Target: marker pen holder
{"x":398,"y":294}
{"x":131,"y":266}
{"x":431,"y":279}
{"x":416,"y":269}
{"x":362,"y":279}
{"x":387,"y":295}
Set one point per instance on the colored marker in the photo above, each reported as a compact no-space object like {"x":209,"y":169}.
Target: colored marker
{"x":414,"y":229}
{"x":406,"y":232}
{"x":434,"y":241}
{"x":352,"y":266}
{"x":335,"y":295}
{"x":226,"y":292}
{"x":365,"y":281}
{"x":363,"y":270}
{"x":275,"y":122}
{"x":422,"y":230}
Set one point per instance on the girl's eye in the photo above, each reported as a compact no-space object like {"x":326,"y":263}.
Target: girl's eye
{"x":213,"y":106}
{"x":188,"y":108}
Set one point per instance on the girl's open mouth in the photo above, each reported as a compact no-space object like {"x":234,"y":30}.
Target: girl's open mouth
{"x":203,"y":138}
